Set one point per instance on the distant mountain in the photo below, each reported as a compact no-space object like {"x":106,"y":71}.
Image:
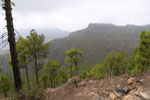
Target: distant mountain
{"x":50,"y":34}
{"x":97,"y":40}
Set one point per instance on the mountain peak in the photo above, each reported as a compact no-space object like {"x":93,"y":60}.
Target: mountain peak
{"x":96,"y":26}
{"x":100,"y":25}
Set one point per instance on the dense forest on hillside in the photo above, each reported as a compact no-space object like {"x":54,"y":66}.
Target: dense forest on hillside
{"x":97,"y":40}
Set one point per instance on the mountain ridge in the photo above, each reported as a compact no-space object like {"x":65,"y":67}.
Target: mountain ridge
{"x":97,"y":40}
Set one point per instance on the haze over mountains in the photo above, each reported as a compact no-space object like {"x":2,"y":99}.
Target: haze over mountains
{"x":95,"y":41}
{"x":49,"y":34}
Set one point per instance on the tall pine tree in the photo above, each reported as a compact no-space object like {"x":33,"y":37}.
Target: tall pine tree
{"x":37,"y":49}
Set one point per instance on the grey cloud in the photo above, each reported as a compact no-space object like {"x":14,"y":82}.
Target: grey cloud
{"x":76,"y":14}
{"x":27,"y":6}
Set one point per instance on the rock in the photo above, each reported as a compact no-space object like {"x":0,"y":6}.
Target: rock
{"x":140,"y":82}
{"x":136,"y":93}
{"x":135,"y":98}
{"x":144,"y":95}
{"x":131,"y":97}
{"x":73,"y":82}
{"x":94,"y":94}
{"x":126,"y":90}
{"x":130,"y":81}
{"x":117,"y":94}
{"x":127,"y":97}
{"x":96,"y":98}
{"x":123,"y":91}
{"x":82,"y":84}
{"x":104,"y":92}
{"x":132,"y":86}
{"x":140,"y":88}
{"x":112,"y":96}
{"x":118,"y":86}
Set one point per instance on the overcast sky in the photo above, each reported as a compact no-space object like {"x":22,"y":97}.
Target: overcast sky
{"x":72,"y":15}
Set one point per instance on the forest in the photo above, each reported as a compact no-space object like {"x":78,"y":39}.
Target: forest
{"x":34,"y":68}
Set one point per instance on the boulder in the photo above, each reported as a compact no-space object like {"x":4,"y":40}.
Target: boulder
{"x":144,"y":95}
{"x":131,"y":97}
{"x":82,"y":84}
{"x":127,"y":97}
{"x":112,"y":96}
{"x":73,"y":82}
{"x":130,"y":81}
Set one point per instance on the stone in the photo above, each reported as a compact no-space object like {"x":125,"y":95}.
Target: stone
{"x":130,"y":81}
{"x":112,"y":96}
{"x":144,"y":95}
{"x":127,"y":97}
{"x":132,"y":86}
{"x":117,"y":94}
{"x":73,"y":82}
{"x":140,"y":82}
{"x":82,"y":84}
{"x":140,"y":88}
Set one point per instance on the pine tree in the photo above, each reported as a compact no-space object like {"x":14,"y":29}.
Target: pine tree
{"x":142,"y":57}
{"x":62,"y":74}
{"x":109,"y":62}
{"x":52,"y":67}
{"x":37,"y":49}
{"x":22,"y":50}
{"x":44,"y":79}
{"x":69,"y":62}
{"x":73,"y":55}
{"x":115,"y":63}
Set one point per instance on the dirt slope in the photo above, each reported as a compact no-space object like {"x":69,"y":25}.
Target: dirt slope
{"x":110,"y":88}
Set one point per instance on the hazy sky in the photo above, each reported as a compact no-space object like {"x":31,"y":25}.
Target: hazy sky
{"x":72,"y":15}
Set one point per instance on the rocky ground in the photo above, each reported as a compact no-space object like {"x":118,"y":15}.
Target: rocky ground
{"x":110,"y":88}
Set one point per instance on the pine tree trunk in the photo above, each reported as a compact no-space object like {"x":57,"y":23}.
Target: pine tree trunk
{"x":51,"y":79}
{"x":35,"y":63}
{"x":27,"y":75}
{"x":71,"y":69}
{"x":5,"y":94}
{"x":36,"y":69}
{"x":45,"y":84}
{"x":76,"y":64}
{"x":117,"y":73}
{"x":147,"y":68}
{"x":110,"y":70}
{"x":63,"y":79}
{"x":12,"y":45}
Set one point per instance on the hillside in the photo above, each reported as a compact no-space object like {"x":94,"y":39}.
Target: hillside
{"x":97,"y":40}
